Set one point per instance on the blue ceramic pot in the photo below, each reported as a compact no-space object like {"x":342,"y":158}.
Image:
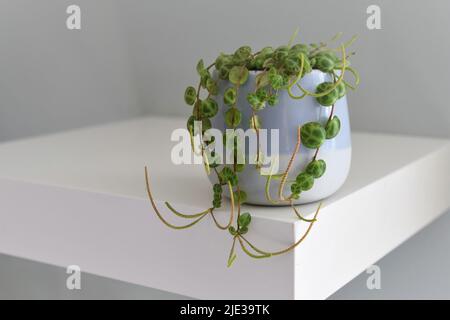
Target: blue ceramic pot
{"x":286,"y":116}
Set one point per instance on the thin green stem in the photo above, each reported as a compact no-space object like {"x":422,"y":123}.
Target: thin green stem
{"x":341,"y":77}
{"x":297,"y":213}
{"x":291,"y":247}
{"x":232,"y":255}
{"x":267,"y":188}
{"x":291,"y":161}
{"x":356,"y":75}
{"x":255,"y":256}
{"x":187,"y":216}
{"x":152,"y":201}
{"x":297,"y":79}
{"x":230,"y":188}
{"x":293,"y":37}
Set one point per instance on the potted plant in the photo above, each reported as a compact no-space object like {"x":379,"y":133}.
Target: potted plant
{"x":298,"y":90}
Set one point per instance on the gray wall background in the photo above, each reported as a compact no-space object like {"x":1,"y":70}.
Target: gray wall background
{"x":135,"y":57}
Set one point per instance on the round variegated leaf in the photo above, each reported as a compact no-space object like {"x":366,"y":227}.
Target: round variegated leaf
{"x":238,"y":75}
{"x":333,"y":127}
{"x":233,"y":117}
{"x":316,"y":168}
{"x":313,"y":135}
{"x":190,"y":95}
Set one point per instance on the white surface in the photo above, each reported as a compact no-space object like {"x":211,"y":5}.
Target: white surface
{"x":79,"y":198}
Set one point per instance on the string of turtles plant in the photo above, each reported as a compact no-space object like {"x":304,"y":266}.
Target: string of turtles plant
{"x":277,"y":69}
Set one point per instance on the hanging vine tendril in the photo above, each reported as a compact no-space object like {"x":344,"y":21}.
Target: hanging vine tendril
{"x":278,"y":70}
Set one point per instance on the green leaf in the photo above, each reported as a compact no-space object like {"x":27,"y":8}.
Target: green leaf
{"x":333,"y":127}
{"x":341,"y":89}
{"x":197,"y":106}
{"x":243,"y":230}
{"x":272,"y":100}
{"x":329,"y":55}
{"x":305,"y":181}
{"x":255,"y":102}
{"x":296,"y":189}
{"x":241,"y":196}
{"x":324,"y":64}
{"x":295,"y":196}
{"x":291,"y":66}
{"x":330,"y":98}
{"x":209,"y":108}
{"x":224,"y":72}
{"x":245,"y":219}
{"x":276,"y":81}
{"x":272,"y":72}
{"x":190,"y":95}
{"x":238,"y":75}
{"x":313,"y":135}
{"x":233,"y":117}
{"x":266,"y":51}
{"x":222,"y":60}
{"x":269,"y":63}
{"x":217,"y":188}
{"x":256,"y":64}
{"x":300,"y":48}
{"x":243,"y":52}
{"x":316,"y":168}
{"x":217,"y":203}
{"x":212,"y":87}
{"x":201,"y":70}
{"x":206,"y":124}
{"x":204,"y":79}
{"x":229,"y":97}
{"x":232,"y":230}
{"x":262,"y":94}
{"x":227,"y":175}
{"x":281,"y":53}
{"x":190,"y":124}
{"x":262,"y":79}
{"x":252,"y":98}
{"x":306,"y":65}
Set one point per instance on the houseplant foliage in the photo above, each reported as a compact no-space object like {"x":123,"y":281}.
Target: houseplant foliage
{"x":277,"y":69}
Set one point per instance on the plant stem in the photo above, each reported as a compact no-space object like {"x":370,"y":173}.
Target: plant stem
{"x":251,"y":254}
{"x":232,"y":255}
{"x":316,"y":153}
{"x":341,"y":77}
{"x":297,"y":213}
{"x":147,"y":182}
{"x":291,"y":160}
{"x":303,"y":237}
{"x":231,"y":211}
{"x":187,"y":216}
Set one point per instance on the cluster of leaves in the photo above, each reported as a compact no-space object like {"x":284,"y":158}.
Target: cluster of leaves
{"x":243,"y":223}
{"x":277,"y":70}
{"x":305,"y":180}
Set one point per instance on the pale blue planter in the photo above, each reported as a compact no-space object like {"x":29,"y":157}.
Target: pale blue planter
{"x":287,"y":116}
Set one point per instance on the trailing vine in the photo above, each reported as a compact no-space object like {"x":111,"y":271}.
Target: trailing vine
{"x":279,"y":69}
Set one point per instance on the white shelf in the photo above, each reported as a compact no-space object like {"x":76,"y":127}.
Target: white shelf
{"x":79,"y":198}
